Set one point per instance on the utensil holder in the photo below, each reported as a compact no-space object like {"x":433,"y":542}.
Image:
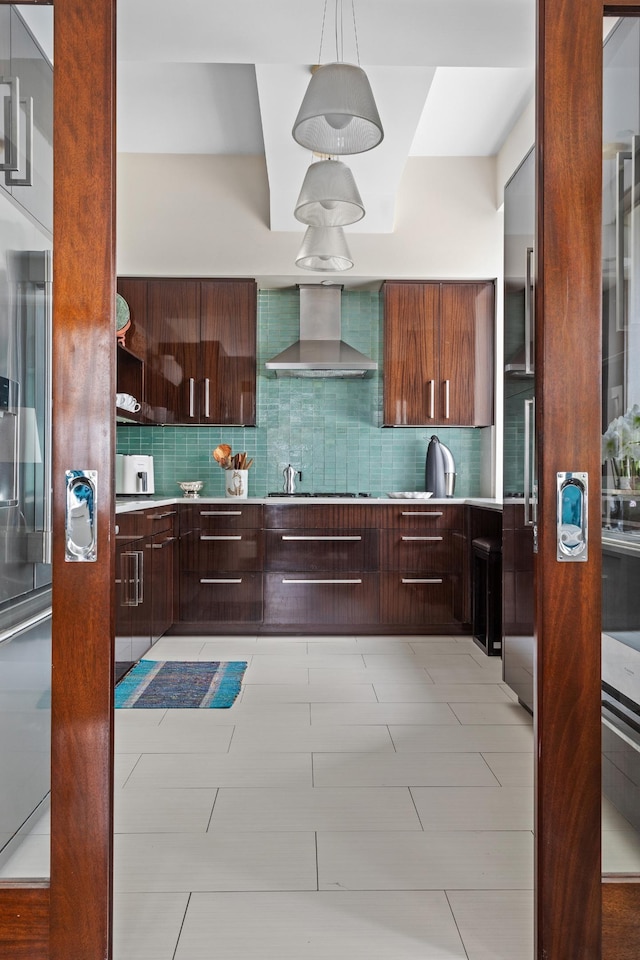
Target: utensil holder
{"x":236,"y":484}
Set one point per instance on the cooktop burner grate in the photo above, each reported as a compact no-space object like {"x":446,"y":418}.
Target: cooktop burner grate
{"x":305,"y":493}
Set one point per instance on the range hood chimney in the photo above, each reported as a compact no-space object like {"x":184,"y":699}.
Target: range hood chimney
{"x":320,"y":352}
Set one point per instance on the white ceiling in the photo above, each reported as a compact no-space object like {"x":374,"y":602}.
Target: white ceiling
{"x":450,"y":78}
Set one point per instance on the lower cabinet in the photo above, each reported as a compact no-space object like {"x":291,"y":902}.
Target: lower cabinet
{"x":145,"y":584}
{"x":221,"y":558}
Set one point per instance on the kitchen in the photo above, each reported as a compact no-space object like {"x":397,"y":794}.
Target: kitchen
{"x":416,"y":458}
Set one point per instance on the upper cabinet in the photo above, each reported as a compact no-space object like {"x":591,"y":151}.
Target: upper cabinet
{"x":438,"y":353}
{"x":197,"y":339}
{"x":26,"y":151}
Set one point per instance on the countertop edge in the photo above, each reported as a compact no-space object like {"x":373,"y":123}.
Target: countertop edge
{"x":148,"y":503}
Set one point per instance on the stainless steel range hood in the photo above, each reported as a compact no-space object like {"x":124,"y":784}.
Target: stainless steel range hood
{"x":320,"y":352}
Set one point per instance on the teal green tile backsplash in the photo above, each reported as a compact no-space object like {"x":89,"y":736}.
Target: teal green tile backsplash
{"x":328,"y":429}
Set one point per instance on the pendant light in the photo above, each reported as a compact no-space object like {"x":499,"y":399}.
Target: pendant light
{"x":338,"y":115}
{"x":329,"y":196}
{"x":324,"y":248}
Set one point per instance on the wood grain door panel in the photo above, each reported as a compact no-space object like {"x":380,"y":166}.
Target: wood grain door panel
{"x":416,"y":551}
{"x":405,"y":601}
{"x":309,"y":550}
{"x":227,"y":374}
{"x":221,"y":597}
{"x":173,"y":332}
{"x":411,"y":317}
{"x":325,"y":598}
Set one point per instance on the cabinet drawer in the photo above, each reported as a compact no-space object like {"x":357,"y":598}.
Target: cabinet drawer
{"x":420,"y":515}
{"x":417,"y":551}
{"x":222,"y":598}
{"x":413,"y":600}
{"x":328,"y":516}
{"x":213,"y":515}
{"x":305,"y":598}
{"x":164,"y":518}
{"x":231,"y":550}
{"x":311,"y":550}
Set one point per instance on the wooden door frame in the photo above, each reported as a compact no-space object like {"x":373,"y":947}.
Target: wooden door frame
{"x":71,"y":915}
{"x":568,"y":879}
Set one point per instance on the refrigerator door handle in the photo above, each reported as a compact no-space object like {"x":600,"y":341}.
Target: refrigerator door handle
{"x":11,"y":124}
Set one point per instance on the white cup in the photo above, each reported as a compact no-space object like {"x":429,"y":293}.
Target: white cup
{"x":126,"y":402}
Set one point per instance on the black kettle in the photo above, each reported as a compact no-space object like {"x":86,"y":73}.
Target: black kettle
{"x":440,"y":469}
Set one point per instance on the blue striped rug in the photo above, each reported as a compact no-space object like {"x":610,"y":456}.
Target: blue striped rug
{"x":166,"y":684}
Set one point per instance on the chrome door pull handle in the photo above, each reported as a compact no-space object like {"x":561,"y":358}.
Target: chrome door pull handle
{"x":313,"y":539}
{"x":221,"y":580}
{"x":571,"y":516}
{"x":309,"y":580}
{"x":423,"y":538}
{"x":421,"y":513}
{"x":11,"y":124}
{"x":207,"y":537}
{"x":420,"y":580}
{"x":27,"y":181}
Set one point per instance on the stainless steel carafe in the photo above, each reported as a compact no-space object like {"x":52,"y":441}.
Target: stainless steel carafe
{"x":289,"y":474}
{"x":440,"y":469}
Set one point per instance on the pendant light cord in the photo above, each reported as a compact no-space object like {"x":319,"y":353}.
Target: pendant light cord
{"x":339,"y":31}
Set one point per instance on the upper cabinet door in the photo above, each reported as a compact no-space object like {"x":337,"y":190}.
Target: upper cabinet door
{"x":173,"y":335}
{"x":438,"y":353}
{"x":228,"y":351}
{"x":466,"y":351}
{"x":411,"y":312}
{"x":32,"y":184}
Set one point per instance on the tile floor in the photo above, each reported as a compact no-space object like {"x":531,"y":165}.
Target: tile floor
{"x":365,"y":797}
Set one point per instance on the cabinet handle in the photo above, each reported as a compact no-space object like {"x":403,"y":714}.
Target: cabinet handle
{"x":140,"y":579}
{"x":207,"y":537}
{"x":221,"y":513}
{"x":129,"y":577}
{"x":422,"y":513}
{"x":27,"y":181}
{"x":419,"y":580}
{"x":221,"y":580}
{"x":206,"y":397}
{"x":423,"y":538}
{"x":446,"y":399}
{"x":162,"y":516}
{"x":303,"y":580}
{"x":432,"y":399}
{"x":350,"y":538}
{"x":529,"y":315}
{"x":192,"y":387}
{"x":11,"y":124}
{"x":159,"y":546}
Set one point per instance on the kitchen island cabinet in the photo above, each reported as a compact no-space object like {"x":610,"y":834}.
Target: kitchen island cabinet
{"x":438,"y":353}
{"x":197,"y":339}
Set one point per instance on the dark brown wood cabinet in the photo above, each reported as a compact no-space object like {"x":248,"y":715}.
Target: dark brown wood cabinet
{"x":221,"y":560}
{"x":420,"y":578}
{"x":197,"y":339}
{"x":438,"y":353}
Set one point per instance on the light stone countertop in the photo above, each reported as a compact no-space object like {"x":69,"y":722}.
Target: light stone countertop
{"x":141,"y":503}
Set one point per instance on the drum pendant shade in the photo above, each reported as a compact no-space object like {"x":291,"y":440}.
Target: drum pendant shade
{"x":324,"y":248}
{"x":329,"y":196}
{"x":338,"y":115}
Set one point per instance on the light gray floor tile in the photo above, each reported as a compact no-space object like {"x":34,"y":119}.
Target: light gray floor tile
{"x":474,"y":808}
{"x":30,"y":860}
{"x":507,"y":738}
{"x":241,"y":649}
{"x":491,"y":713}
{"x":425,"y":861}
{"x":440,"y":693}
{"x":512,"y":769}
{"x":509,"y":692}
{"x":494,"y":924}
{"x":175,"y":648}
{"x":401,"y":673}
{"x":389,"y":645}
{"x":315,"y":808}
{"x":128,"y":719}
{"x":163,"y":811}
{"x":620,"y":843}
{"x":190,"y":735}
{"x":269,"y":738}
{"x":264,"y":673}
{"x":193,"y":770}
{"x":320,"y":926}
{"x":309,"y":693}
{"x":453,"y":646}
{"x":238,"y":712}
{"x":123,"y":765}
{"x":332,"y":645}
{"x":341,"y":661}
{"x":363,"y":713}
{"x":401,"y":770}
{"x":147,"y":925}
{"x":215,"y":861}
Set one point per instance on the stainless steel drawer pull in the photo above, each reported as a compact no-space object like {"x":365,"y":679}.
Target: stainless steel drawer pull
{"x":203,"y":537}
{"x":192,"y":389}
{"x":422,"y":513}
{"x":159,"y":546}
{"x":162,"y":516}
{"x":419,"y":580}
{"x":206,"y":397}
{"x":302,"y":580}
{"x":221,"y":580}
{"x":320,"y":538}
{"x":423,"y":538}
{"x":221,"y":513}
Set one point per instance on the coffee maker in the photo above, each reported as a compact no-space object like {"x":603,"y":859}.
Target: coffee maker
{"x":134,"y":474}
{"x":440,"y":469}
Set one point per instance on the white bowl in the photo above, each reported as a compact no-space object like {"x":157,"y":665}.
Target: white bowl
{"x":191,"y":488}
{"x":412,"y":495}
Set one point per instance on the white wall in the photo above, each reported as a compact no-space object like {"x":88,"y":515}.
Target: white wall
{"x":208,"y":215}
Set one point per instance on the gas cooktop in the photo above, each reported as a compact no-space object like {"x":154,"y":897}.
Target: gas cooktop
{"x":306,"y":494}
